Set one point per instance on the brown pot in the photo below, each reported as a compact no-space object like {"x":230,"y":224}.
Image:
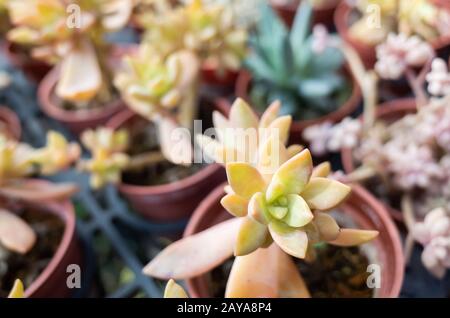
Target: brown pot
{"x":10,"y":123}
{"x":390,"y":111}
{"x":32,"y":68}
{"x":322,"y":15}
{"x":51,"y":283}
{"x":167,"y":202}
{"x":361,"y":207}
{"x":76,"y":120}
{"x":243,"y":87}
{"x":210,"y":77}
{"x":367,"y":52}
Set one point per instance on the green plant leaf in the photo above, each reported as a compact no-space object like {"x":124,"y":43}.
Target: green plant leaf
{"x":299,"y":213}
{"x":252,"y":235}
{"x":292,"y":241}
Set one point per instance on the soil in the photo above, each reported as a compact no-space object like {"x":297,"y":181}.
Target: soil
{"x":337,"y":272}
{"x":49,"y":230}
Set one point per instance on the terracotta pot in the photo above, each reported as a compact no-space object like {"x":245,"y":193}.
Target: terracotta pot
{"x":322,"y":15}
{"x":167,"y":202}
{"x":390,"y":111}
{"x":361,"y":207}
{"x":35,"y":70}
{"x":243,"y":86}
{"x":10,"y":122}
{"x":367,"y":52}
{"x":76,"y":120}
{"x":51,"y":283}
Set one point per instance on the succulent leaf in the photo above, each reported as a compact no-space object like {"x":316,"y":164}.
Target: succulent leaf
{"x":244,"y":179}
{"x":291,"y":240}
{"x":17,"y":291}
{"x":322,"y":170}
{"x":234,"y":204}
{"x":327,"y":226}
{"x":173,"y":290}
{"x":354,"y":237}
{"x":324,"y":194}
{"x":15,"y":234}
{"x":252,"y":235}
{"x":299,"y":213}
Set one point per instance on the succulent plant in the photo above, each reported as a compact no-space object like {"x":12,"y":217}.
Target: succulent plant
{"x":173,"y":290}
{"x":18,"y":161}
{"x":207,"y":30}
{"x":108,"y":158}
{"x":310,"y":84}
{"x":17,"y":291}
{"x":417,"y":17}
{"x":74,"y":42}
{"x":279,"y":212}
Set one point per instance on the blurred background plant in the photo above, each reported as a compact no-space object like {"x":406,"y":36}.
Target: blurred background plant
{"x":309,"y":85}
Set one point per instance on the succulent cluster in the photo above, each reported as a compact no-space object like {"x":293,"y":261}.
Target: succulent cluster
{"x":69,"y":33}
{"x":410,"y":17}
{"x":108,"y":158}
{"x":207,"y":30}
{"x":280,"y":209}
{"x":310,"y":84}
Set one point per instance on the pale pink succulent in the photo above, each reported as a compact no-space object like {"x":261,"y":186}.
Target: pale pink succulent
{"x":399,"y":52}
{"x":434,"y":234}
{"x":318,"y":136}
{"x":320,"y":39}
{"x":438,"y":78}
{"x":346,"y":134}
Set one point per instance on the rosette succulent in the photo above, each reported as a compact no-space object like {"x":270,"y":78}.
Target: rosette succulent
{"x":309,"y":85}
{"x":70,"y":34}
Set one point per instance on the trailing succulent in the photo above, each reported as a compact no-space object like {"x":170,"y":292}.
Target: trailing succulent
{"x":74,"y":41}
{"x":410,"y":17}
{"x":288,"y":66}
{"x":280,"y":203}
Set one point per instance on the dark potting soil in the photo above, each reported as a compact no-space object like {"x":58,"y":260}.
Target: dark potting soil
{"x":337,"y":272}
{"x":49,"y":230}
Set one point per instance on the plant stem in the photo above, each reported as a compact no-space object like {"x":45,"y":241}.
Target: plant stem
{"x":362,"y":173}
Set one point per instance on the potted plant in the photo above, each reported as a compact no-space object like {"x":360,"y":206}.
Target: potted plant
{"x":209,"y":30}
{"x":149,"y":150}
{"x":280,"y":205}
{"x":369,"y":22}
{"x":37,"y":222}
{"x":78,"y":91}
{"x":399,"y":149}
{"x":323,"y":10}
{"x":312,"y":86}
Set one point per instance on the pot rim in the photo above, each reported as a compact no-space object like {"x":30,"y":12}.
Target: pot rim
{"x":291,"y":6}
{"x":378,"y":208}
{"x":64,"y":210}
{"x":46,"y":92}
{"x":116,"y":122}
{"x":11,"y":121}
{"x":243,"y":86}
{"x":391,"y":107}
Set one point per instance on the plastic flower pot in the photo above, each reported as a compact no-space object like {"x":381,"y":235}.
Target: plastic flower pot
{"x":243,"y":86}
{"x":33,"y":69}
{"x":9,"y":123}
{"x":361,"y":207}
{"x":342,"y":20}
{"x":167,"y":202}
{"x":389,"y":111}
{"x":322,"y":15}
{"x":51,"y":282}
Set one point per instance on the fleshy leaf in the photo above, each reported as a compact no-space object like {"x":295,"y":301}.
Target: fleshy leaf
{"x":81,"y":77}
{"x":292,"y":241}
{"x":327,"y":226}
{"x":17,"y":291}
{"x":282,"y":126}
{"x":293,"y":150}
{"x":244,"y":179}
{"x":325,"y":194}
{"x":196,"y":254}
{"x":216,"y":151}
{"x":15,"y":234}
{"x":299,"y":213}
{"x":242,"y":116}
{"x":249,"y":275}
{"x":251,"y":236}
{"x":291,"y":283}
{"x":354,"y":237}
{"x":173,"y":290}
{"x":235,"y":205}
{"x":175,"y":142}
{"x":322,"y":170}
{"x":271,"y":155}
{"x":257,"y":209}
{"x":270,"y":114}
{"x":291,"y":177}
{"x":38,"y":192}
